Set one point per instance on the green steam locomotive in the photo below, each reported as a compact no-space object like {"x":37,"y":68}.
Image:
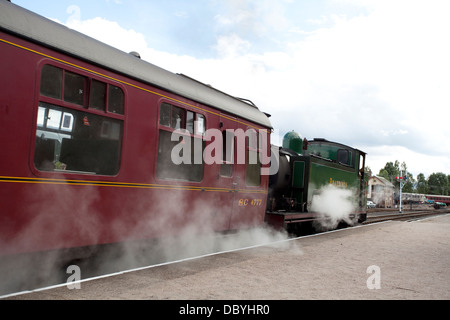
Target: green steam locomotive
{"x":317,"y":181}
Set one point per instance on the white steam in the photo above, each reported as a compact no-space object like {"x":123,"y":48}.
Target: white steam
{"x":334,"y":205}
{"x":182,"y":225}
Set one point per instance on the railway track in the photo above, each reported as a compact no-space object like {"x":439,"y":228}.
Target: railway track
{"x":405,"y":216}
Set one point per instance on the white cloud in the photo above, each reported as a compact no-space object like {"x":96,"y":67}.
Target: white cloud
{"x":231,"y":46}
{"x":110,"y":32}
{"x":416,"y":162}
{"x":257,"y":18}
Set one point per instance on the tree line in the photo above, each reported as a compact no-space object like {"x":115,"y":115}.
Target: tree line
{"x":437,"y":183}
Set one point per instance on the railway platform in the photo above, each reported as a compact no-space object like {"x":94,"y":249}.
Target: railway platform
{"x":390,"y":260}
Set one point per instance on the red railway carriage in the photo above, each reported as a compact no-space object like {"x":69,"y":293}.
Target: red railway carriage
{"x":86,"y":144}
{"x":438,"y":198}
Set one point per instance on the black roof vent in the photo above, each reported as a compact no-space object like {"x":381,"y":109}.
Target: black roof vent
{"x":136,"y":54}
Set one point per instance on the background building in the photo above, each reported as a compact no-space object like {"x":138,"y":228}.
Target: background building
{"x":381,"y":192}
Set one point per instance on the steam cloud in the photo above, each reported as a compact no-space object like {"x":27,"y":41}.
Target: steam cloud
{"x":334,"y":204}
{"x":184,"y":225}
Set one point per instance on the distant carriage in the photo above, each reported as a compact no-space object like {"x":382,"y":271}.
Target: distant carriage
{"x":438,"y":198}
{"x":413,"y":197}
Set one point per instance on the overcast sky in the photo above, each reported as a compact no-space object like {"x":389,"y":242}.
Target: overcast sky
{"x":372,"y":74}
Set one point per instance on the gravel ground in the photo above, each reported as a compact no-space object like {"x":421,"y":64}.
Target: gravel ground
{"x":397,"y":260}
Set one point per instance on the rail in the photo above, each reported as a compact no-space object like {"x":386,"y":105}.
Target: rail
{"x":405,"y":216}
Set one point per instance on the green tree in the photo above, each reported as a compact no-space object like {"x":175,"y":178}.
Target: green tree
{"x":422,"y":184}
{"x":448,"y":185}
{"x":390,"y":171}
{"x":438,"y":183}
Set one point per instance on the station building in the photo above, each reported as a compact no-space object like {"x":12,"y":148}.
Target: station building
{"x":381,"y":192}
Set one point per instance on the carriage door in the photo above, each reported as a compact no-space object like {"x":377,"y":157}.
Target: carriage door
{"x":229,"y":177}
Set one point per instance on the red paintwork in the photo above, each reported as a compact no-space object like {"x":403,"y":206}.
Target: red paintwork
{"x":38,"y":214}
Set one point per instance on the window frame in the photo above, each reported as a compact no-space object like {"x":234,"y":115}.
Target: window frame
{"x":67,"y":107}
{"x":87,"y":95}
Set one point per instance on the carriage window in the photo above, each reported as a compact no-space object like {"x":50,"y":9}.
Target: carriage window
{"x":164,"y":114}
{"x":75,"y":141}
{"x":69,"y":137}
{"x":252,"y":138}
{"x":226,"y":168}
{"x":253,"y":172}
{"x":201,"y":124}
{"x":252,"y":159}
{"x":51,"y":81}
{"x":74,"y":88}
{"x":116,"y":100}
{"x":67,"y":122}
{"x":53,"y":119}
{"x":178,"y":118}
{"x":189,"y":170}
{"x":97,"y":97}
{"x":188,"y":145}
{"x":190,"y":121}
{"x":102,"y":96}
